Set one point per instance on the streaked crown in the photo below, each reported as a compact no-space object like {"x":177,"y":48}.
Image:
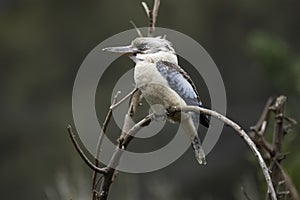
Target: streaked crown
{"x":147,"y":45}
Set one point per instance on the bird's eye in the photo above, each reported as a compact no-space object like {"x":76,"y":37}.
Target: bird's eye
{"x":143,"y":48}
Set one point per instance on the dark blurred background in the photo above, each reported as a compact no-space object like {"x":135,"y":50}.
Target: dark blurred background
{"x":254,"y":43}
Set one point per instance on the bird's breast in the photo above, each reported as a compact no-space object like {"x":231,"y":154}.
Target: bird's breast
{"x":155,"y":87}
{"x":146,"y":73}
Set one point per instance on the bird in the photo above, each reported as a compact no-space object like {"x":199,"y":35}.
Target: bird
{"x":163,"y":82}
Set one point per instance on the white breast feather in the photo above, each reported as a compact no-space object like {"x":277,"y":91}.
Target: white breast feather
{"x":154,"y":87}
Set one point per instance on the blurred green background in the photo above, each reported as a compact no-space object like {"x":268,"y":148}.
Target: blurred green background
{"x":254,"y":43}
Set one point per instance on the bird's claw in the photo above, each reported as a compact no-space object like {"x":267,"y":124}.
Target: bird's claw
{"x":160,"y":117}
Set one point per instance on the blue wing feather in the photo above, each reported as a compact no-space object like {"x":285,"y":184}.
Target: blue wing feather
{"x":182,"y":84}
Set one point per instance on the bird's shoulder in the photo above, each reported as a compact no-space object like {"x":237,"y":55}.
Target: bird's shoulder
{"x":182,"y":84}
{"x":177,"y":77}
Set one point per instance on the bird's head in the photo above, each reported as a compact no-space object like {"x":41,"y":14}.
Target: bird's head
{"x":145,"y":48}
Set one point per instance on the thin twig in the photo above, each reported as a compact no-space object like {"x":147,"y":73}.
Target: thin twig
{"x":262,"y":123}
{"x":146,"y":8}
{"x":115,"y":159}
{"x":135,"y":129}
{"x":99,"y":143}
{"x":242,"y":134}
{"x":130,"y":134}
{"x":113,"y":106}
{"x":81,"y":153}
{"x":136,"y":29}
{"x":108,"y":178}
{"x":154,"y":14}
{"x":289,"y":184}
{"x":104,"y":126}
{"x":290,"y":120}
{"x":258,"y":131}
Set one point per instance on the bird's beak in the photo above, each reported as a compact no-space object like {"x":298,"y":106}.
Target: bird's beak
{"x":128,"y":50}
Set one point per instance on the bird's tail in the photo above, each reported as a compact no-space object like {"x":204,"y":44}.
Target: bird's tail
{"x":190,"y":129}
{"x":199,"y":153}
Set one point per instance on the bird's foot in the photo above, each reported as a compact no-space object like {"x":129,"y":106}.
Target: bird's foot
{"x":160,"y":113}
{"x":160,"y":117}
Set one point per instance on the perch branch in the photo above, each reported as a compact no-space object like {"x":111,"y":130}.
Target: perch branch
{"x":130,"y":134}
{"x":99,"y":143}
{"x":241,"y":133}
{"x":108,"y":178}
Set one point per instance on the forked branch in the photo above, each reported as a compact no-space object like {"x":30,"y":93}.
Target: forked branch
{"x":273,"y":149}
{"x":128,"y":133}
{"x":152,"y":15}
{"x":109,"y":176}
{"x":99,"y":143}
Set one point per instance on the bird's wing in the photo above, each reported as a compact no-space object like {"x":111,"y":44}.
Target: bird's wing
{"x":183,"y":85}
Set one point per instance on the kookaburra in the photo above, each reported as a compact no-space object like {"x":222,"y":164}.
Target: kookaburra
{"x":162,"y":81}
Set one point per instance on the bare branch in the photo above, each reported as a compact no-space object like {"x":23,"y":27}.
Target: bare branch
{"x":278,"y":135}
{"x":242,"y":134}
{"x":136,"y":29}
{"x":104,"y":126}
{"x":130,"y":134}
{"x":135,"y":129}
{"x":146,"y":8}
{"x":81,"y":153}
{"x":262,"y":123}
{"x":278,"y":174}
{"x":290,"y":120}
{"x":152,"y":15}
{"x":274,"y":150}
{"x":114,"y":161}
{"x":113,"y":106}
{"x":155,"y":14}
{"x":99,"y":143}
{"x":108,"y":178}
{"x":289,"y":184}
{"x":259,"y":130}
